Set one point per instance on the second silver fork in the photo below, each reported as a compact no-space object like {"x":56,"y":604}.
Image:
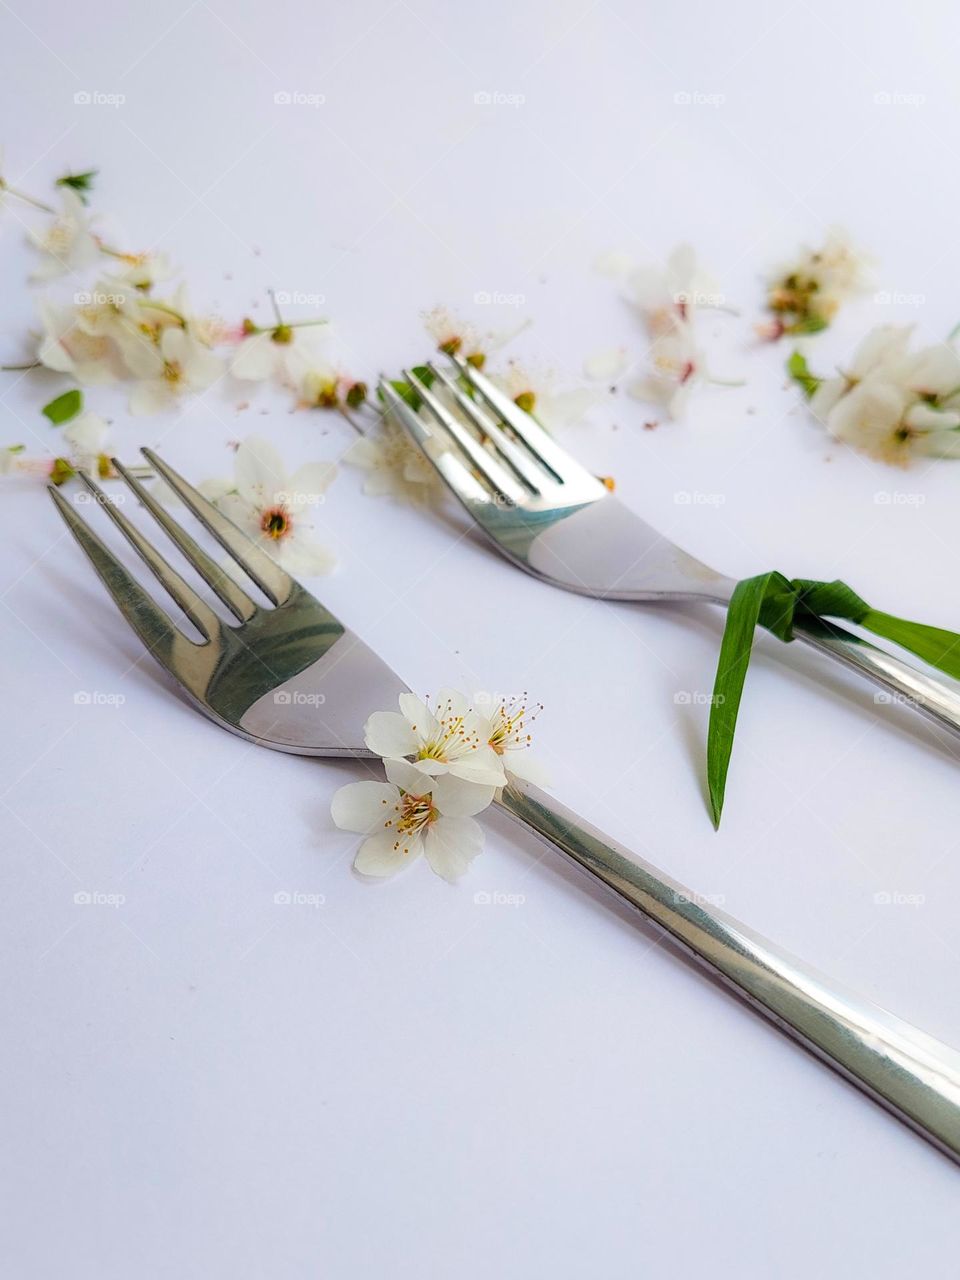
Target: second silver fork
{"x":549,"y":516}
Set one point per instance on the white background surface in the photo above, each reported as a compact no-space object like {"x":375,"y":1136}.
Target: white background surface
{"x":201,"y":1083}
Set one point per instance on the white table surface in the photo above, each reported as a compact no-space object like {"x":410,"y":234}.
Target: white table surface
{"x":402,"y":1082}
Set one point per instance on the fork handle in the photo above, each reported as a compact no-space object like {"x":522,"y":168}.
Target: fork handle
{"x":904,"y":1069}
{"x":936,"y":698}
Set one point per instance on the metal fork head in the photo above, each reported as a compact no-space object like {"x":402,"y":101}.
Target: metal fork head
{"x":288,"y":675}
{"x":543,"y":510}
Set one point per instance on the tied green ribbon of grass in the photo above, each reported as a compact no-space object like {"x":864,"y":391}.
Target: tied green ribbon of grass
{"x":777,"y":603}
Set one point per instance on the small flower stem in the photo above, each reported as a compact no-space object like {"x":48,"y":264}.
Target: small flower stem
{"x":727,"y":382}
{"x":162,"y":306}
{"x":116,"y":253}
{"x":344,"y":414}
{"x":276,"y":309}
{"x":21,"y":368}
{"x":22,"y":195}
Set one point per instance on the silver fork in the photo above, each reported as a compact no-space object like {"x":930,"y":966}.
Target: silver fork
{"x":290,"y":676}
{"x":548,"y":515}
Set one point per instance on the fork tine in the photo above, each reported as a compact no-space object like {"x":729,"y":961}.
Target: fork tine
{"x":535,"y":477}
{"x":525,"y":427}
{"x":151,"y":624}
{"x":482,"y":460}
{"x":462,"y":481}
{"x":193,"y":605}
{"x":230,"y":592}
{"x":273,"y":581}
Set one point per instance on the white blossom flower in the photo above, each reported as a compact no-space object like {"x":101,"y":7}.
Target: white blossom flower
{"x":86,"y":437}
{"x":454,"y":336}
{"x":411,"y":814}
{"x":894,"y":404}
{"x":883,"y":351}
{"x":805,"y":294}
{"x":507,"y":731}
{"x":668,"y":297}
{"x":273,"y":508}
{"x":91,"y":358}
{"x":394,"y":465}
{"x":535,"y":392}
{"x":882,"y":420}
{"x":320,"y":387}
{"x":447,"y":741}
{"x":68,"y":244}
{"x":186,"y":365}
{"x":264,"y":355}
{"x":143,"y":270}
{"x":677,"y":366}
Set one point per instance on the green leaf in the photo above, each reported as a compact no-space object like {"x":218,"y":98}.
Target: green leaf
{"x":64,"y":407}
{"x":800,"y":373}
{"x":811,"y":323}
{"x":742,"y":617}
{"x":934,"y":645}
{"x":773,"y":601}
{"x":406,"y":391}
{"x":79,"y":182}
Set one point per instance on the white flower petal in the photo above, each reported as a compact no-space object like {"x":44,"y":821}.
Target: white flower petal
{"x":451,"y":844}
{"x":457,"y":798}
{"x":260,"y":471}
{"x":255,"y":359}
{"x":364,"y":806}
{"x":389,"y":735}
{"x":482,"y":766}
{"x":379,"y":857}
{"x":405,"y":774}
{"x":606,"y":365}
{"x":311,"y":480}
{"x":302,"y":557}
{"x":525,"y":766}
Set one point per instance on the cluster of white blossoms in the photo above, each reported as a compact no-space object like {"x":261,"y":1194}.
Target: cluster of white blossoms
{"x":805,"y":294}
{"x":106,"y":319}
{"x":890,"y":402}
{"x":669,"y":301}
{"x":273,"y":508}
{"x":444,"y":765}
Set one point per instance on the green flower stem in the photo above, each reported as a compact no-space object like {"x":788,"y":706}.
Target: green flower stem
{"x":22,"y":195}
